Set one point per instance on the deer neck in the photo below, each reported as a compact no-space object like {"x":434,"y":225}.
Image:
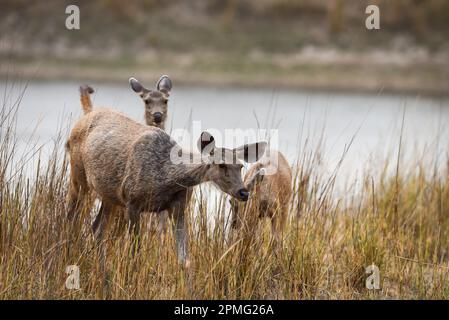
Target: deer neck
{"x":189,"y":175}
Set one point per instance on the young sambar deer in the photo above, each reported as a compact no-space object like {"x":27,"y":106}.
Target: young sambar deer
{"x":270,"y":193}
{"x":156,"y":101}
{"x":130,"y":165}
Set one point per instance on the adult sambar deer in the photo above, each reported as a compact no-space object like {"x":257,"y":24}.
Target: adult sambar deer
{"x":131,"y":165}
{"x":156,"y":113}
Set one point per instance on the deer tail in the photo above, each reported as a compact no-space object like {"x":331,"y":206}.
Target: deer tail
{"x":86,"y":103}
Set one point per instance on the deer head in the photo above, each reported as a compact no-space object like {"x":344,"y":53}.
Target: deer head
{"x":155,"y":101}
{"x":225,"y":165}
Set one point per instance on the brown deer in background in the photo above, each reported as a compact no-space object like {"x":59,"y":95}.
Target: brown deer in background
{"x":270,"y":193}
{"x":156,"y":101}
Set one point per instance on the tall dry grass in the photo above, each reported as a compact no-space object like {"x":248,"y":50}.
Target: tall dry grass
{"x":399,"y":222}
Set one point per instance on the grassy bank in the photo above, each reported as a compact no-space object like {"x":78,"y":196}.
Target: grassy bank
{"x":399,"y":222}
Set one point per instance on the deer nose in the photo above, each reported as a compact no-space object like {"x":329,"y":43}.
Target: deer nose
{"x":157,"y":116}
{"x":243,"y":194}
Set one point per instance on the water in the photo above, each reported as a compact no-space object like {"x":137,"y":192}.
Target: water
{"x":375,"y":120}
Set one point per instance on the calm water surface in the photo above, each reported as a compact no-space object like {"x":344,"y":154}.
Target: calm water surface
{"x":299,"y":116}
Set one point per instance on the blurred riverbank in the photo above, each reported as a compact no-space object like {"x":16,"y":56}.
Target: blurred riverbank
{"x":275,"y":44}
{"x":312,"y":69}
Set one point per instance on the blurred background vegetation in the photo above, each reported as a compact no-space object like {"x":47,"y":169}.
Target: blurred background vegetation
{"x":294,"y":43}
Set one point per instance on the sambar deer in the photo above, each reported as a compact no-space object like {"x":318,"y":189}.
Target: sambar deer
{"x":130,"y":165}
{"x":155,"y":101}
{"x":156,"y":114}
{"x":270,"y":183}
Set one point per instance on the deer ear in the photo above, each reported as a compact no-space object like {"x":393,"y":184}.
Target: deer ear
{"x":164,"y":84}
{"x":136,"y":86}
{"x":251,"y":152}
{"x":206,"y":143}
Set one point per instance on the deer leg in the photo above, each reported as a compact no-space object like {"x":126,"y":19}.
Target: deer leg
{"x":181,"y":236}
{"x":133,"y":215}
{"x":179,"y":228}
{"x":119,"y":214}
{"x":77,"y":190}
{"x":101,"y":221}
{"x":74,"y":201}
{"x":98,"y":227}
{"x":162,"y":222}
{"x":278,"y":221}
